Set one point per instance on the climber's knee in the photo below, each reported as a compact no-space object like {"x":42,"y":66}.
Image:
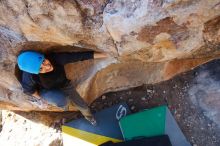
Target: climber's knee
{"x":54,"y":97}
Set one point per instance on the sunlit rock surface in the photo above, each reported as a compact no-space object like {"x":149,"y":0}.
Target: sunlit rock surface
{"x":148,"y":41}
{"x":20,"y":131}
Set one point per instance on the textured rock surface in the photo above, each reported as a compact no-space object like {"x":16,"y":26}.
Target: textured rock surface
{"x":149,"y":41}
{"x":20,"y":131}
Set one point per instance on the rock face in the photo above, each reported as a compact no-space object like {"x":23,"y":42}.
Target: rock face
{"x":148,"y":40}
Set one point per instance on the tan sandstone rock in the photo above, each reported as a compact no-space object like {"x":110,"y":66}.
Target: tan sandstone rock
{"x":148,"y":41}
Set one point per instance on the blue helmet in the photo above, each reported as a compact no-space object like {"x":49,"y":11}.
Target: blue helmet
{"x":30,"y":61}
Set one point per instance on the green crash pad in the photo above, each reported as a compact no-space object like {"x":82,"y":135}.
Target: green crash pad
{"x":152,"y":122}
{"x":146,"y":123}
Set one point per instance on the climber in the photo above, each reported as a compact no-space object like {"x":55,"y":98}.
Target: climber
{"x":43,"y":77}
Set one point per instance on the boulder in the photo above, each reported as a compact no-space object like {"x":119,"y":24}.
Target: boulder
{"x":148,"y":41}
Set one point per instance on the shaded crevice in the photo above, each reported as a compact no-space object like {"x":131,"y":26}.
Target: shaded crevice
{"x":46,"y":47}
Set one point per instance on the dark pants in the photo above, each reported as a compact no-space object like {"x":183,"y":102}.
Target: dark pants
{"x":59,"y":97}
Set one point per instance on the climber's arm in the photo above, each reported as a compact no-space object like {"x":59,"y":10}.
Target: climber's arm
{"x":29,"y":86}
{"x":70,"y":57}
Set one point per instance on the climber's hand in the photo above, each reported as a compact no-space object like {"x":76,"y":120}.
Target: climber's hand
{"x":98,"y":55}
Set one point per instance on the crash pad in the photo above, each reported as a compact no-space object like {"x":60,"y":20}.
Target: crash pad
{"x":152,"y":122}
{"x":81,"y":132}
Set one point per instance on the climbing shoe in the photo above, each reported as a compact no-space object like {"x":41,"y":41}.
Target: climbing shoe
{"x":91,"y":119}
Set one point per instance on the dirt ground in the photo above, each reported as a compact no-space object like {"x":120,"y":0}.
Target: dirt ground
{"x":192,"y":97}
